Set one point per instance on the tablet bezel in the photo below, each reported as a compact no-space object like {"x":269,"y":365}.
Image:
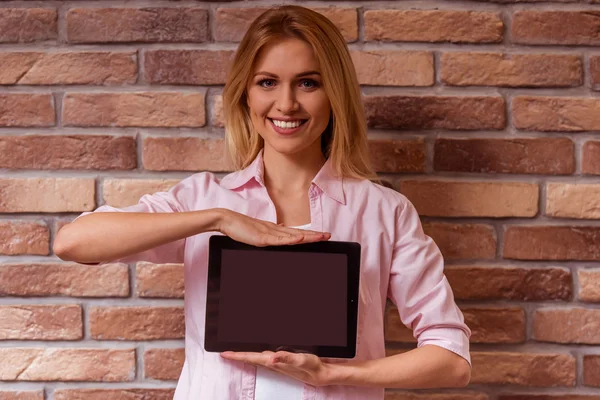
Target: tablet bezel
{"x":217,"y":243}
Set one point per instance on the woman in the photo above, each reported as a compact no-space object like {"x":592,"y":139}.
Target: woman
{"x":296,"y":133}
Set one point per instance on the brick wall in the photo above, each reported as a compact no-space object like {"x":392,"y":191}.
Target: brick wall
{"x":485,"y":114}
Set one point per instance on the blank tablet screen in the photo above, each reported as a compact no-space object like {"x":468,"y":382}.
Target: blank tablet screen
{"x":281,"y":297}
{"x":301,"y":297}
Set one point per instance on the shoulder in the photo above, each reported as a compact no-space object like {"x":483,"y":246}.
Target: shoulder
{"x":191,"y":190}
{"x":200,"y":181}
{"x":375,"y":194}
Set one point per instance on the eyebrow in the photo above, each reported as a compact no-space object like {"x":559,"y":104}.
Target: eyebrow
{"x":297,"y":76}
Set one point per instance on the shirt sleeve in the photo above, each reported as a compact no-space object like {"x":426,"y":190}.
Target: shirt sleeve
{"x":160,"y":202}
{"x":420,"y":290}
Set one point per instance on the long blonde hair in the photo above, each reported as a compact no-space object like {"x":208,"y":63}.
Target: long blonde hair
{"x":345,"y":139}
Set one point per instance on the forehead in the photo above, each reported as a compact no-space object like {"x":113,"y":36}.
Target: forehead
{"x":286,"y":56}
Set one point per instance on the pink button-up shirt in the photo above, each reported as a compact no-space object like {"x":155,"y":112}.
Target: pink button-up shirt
{"x":397,"y":261}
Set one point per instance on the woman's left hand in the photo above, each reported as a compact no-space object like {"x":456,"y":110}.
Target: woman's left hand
{"x":305,"y":367}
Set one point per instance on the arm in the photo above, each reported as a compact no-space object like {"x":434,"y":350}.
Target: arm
{"x":426,"y":367}
{"x":107,"y":236}
{"x":422,"y":368}
{"x":418,"y":287}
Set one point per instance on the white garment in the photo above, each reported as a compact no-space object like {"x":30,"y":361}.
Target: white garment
{"x":272,"y":385}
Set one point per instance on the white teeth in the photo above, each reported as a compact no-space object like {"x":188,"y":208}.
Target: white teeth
{"x":286,"y":125}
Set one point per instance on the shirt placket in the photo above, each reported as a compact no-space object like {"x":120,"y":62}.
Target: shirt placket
{"x":316,"y":221}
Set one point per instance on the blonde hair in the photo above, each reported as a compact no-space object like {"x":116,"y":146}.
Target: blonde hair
{"x":345,"y":139}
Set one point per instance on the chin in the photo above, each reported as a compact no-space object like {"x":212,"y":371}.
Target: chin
{"x":287,"y":148}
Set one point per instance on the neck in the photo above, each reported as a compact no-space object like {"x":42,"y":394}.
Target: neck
{"x":291,"y":173}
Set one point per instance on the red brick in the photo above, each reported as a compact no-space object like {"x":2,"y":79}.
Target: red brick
{"x":463,"y":241}
{"x":68,"y":68}
{"x":114,"y":394}
{"x":232,"y":23}
{"x":595,"y":72}
{"x":394,"y":68}
{"x":105,"y":25}
{"x":163,"y":364}
{"x":567,"y":325}
{"x":184,"y":154}
{"x":591,"y":370}
{"x":548,"y":397}
{"x":64,"y":364}
{"x":68,"y":152}
{"x":589,"y":284}
{"x":556,"y":27}
{"x":435,"y":112}
{"x":564,"y":200}
{"x":136,"y":323}
{"x":47,"y":195}
{"x":187,"y":67}
{"x":488,"y":325}
{"x":590,"y":163}
{"x":41,"y":322}
{"x":511,"y":70}
{"x":21,"y":25}
{"x":159,"y":280}
{"x":126,"y":192}
{"x":496,"y":325}
{"x":553,"y":156}
{"x":394,"y":395}
{"x":472,"y":199}
{"x":562,"y":114}
{"x":525,"y":369}
{"x":552,"y":242}
{"x":24,"y":237}
{"x":22,"y":395}
{"x":433,"y":26}
{"x":471,"y":282}
{"x":144,"y":109}
{"x":218,"y":115}
{"x":398,"y":155}
{"x":26,"y":110}
{"x":53,"y":279}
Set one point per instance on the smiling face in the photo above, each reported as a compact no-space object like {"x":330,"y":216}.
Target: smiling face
{"x":287,"y":103}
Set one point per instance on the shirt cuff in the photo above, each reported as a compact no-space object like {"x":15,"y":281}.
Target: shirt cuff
{"x":452,"y":339}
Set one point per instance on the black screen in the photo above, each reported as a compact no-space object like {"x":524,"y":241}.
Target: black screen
{"x":283,"y":298}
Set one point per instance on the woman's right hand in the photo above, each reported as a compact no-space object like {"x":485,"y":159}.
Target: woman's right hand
{"x":261,"y":233}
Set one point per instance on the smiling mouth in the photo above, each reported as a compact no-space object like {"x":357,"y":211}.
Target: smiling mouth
{"x":288,"y":124}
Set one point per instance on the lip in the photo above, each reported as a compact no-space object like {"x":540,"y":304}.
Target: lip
{"x":283,"y":131}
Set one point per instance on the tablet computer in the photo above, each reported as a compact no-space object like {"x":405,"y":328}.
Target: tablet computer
{"x":299,"y":298}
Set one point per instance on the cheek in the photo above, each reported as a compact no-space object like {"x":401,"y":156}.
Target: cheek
{"x":320,"y":102}
{"x":257,"y":104}
{"x":321,"y":109}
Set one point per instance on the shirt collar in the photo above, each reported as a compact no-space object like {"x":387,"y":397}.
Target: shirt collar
{"x":326,"y":179}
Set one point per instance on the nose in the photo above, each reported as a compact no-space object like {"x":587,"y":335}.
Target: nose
{"x":286,"y":101}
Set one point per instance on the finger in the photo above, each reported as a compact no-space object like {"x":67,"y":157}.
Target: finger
{"x":316,"y":237}
{"x":307,"y":233}
{"x":289,"y":238}
{"x":249,"y":357}
{"x":307,"y":238}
